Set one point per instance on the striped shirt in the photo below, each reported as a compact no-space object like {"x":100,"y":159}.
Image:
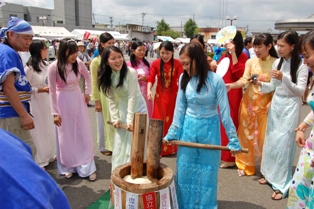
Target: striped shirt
{"x":11,"y":63}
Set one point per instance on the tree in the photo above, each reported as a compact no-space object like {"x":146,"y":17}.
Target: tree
{"x":162,"y":26}
{"x":190,"y":28}
{"x":171,"y":33}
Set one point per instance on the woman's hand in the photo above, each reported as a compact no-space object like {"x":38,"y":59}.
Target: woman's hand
{"x":98,"y":107}
{"x":57,"y":120}
{"x":149,"y":94}
{"x":166,"y":142}
{"x":142,"y":78}
{"x":228,"y":86}
{"x":44,"y":90}
{"x":276,"y":74}
{"x":312,"y":163}
{"x":129,"y":127}
{"x":87,"y":98}
{"x":230,"y":48}
{"x":117,"y":124}
{"x":300,"y":138}
{"x":213,"y":65}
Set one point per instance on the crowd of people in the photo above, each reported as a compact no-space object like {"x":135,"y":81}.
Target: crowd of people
{"x":255,"y":105}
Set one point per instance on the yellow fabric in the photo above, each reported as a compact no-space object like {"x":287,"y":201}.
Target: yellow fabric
{"x":100,"y":96}
{"x":252,"y":114}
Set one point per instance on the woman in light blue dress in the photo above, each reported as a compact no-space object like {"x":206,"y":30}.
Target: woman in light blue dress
{"x":288,"y":80}
{"x":120,"y":84}
{"x":196,"y":119}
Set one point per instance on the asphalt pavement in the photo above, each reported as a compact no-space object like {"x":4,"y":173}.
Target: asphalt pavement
{"x":234,"y":192}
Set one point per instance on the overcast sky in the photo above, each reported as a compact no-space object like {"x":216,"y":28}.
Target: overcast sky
{"x":257,"y":15}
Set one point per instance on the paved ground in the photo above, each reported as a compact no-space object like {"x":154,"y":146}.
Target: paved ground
{"x":233,"y":191}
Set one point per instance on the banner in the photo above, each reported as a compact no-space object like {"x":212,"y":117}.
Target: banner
{"x":174,"y":196}
{"x":149,"y":200}
{"x":86,"y":35}
{"x":117,"y":198}
{"x":131,"y":201}
{"x":164,"y":199}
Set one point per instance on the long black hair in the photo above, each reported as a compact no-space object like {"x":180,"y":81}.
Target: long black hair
{"x":266,"y":39}
{"x":104,"y":72}
{"x":67,"y":47}
{"x":35,"y":50}
{"x":238,"y":42}
{"x":291,"y":37}
{"x":133,"y":60}
{"x":104,"y":38}
{"x":167,"y":45}
{"x":199,"y":61}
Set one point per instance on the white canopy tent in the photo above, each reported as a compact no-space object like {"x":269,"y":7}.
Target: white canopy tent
{"x":166,"y":38}
{"x":212,"y":41}
{"x":182,"y":40}
{"x":52,"y":32}
{"x":79,"y":34}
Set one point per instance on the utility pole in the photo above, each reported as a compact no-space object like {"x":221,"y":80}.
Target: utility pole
{"x":94,"y":18}
{"x":43,"y":18}
{"x":111,"y":21}
{"x":193,"y":17}
{"x":181,"y":30}
{"x":143,"y":15}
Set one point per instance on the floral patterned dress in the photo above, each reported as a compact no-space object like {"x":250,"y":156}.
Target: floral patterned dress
{"x":253,"y":115}
{"x":301,"y":192}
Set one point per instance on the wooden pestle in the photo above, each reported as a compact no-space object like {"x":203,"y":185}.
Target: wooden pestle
{"x":155,"y":132}
{"x":138,"y":144}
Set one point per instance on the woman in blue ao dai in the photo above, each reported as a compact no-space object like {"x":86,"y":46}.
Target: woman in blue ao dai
{"x":196,"y":119}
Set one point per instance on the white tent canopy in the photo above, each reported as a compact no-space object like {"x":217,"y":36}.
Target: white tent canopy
{"x":212,"y":41}
{"x":183,"y":40}
{"x":51,"y":32}
{"x":166,"y":38}
{"x":79,"y":34}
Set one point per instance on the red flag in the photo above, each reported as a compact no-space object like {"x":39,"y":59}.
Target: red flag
{"x":86,"y":35}
{"x":149,"y":200}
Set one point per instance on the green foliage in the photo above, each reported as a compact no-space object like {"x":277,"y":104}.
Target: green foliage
{"x":197,"y":30}
{"x":171,"y":33}
{"x":162,"y":26}
{"x":190,"y":28}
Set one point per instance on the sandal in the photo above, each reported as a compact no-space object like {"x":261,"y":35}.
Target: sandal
{"x":106,"y":152}
{"x":68,"y":175}
{"x":262,"y":181}
{"x":277,"y":195}
{"x":92,"y":177}
{"x":241,"y":173}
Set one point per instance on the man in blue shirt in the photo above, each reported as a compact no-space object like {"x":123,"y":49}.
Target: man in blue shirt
{"x":15,"y":90}
{"x":23,"y":183}
{"x":248,"y":43}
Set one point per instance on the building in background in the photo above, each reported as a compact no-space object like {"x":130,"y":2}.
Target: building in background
{"x":33,"y":15}
{"x":135,"y":31}
{"x":73,"y":14}
{"x":70,"y":14}
{"x":296,"y":24}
